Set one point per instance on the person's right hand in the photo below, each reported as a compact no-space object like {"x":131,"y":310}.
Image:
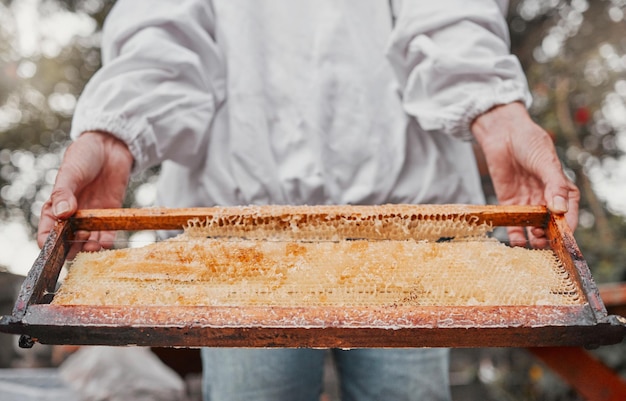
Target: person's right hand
{"x":525,"y":168}
{"x":94,"y":174}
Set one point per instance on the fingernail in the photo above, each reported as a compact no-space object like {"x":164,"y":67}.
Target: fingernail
{"x":61,"y":208}
{"x":559,"y":204}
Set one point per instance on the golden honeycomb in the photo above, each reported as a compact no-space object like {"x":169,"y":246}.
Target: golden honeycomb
{"x":326,"y":260}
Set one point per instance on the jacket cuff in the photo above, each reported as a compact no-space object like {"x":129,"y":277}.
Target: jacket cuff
{"x":119,"y":127}
{"x":456,"y":119}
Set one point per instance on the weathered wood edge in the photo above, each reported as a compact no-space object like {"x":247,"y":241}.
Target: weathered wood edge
{"x":195,"y":327}
{"x":40,"y":282}
{"x":564,"y":245}
{"x":43,"y":275}
{"x":172,"y":219}
{"x":393,"y":317}
{"x":585,"y":336}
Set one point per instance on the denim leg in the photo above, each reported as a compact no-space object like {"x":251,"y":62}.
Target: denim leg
{"x":236,"y":374}
{"x":393,"y":374}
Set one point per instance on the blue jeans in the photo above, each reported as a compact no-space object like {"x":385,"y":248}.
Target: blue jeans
{"x":296,"y":374}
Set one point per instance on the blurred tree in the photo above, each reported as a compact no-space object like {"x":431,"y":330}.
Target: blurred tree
{"x":48,"y":51}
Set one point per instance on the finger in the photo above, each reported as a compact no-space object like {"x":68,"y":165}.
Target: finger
{"x":46,"y":223}
{"x":517,"y":236}
{"x":97,"y":240}
{"x":74,"y":173}
{"x":63,"y":202}
{"x":574,"y":203}
{"x":80,"y":237}
{"x":557,"y":198}
{"x":537,"y":238}
{"x":538,"y":232}
{"x":546,"y":166}
{"x":80,"y":166}
{"x":565,"y":198}
{"x":107,"y":239}
{"x":92,"y":245}
{"x":561,"y":195}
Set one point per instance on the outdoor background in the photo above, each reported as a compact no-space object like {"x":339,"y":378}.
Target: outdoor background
{"x":574,"y":54}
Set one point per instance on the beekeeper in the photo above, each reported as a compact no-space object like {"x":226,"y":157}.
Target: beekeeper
{"x":309,"y":102}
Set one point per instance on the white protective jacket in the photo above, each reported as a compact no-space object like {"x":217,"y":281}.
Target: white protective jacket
{"x":303,"y":101}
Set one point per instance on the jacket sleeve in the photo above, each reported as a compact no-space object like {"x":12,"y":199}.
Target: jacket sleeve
{"x":161,"y":81}
{"x":453,"y":61}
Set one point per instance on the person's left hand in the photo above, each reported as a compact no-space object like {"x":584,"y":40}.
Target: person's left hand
{"x":94,"y":174}
{"x":524,"y":168}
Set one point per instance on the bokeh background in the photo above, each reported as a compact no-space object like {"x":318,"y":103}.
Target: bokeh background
{"x":574,"y":54}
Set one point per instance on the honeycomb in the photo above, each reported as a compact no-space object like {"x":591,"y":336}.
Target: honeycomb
{"x":332,"y":223}
{"x":331,"y":260}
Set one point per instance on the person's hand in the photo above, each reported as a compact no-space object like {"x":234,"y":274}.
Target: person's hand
{"x":524,"y":168}
{"x":94,"y":174}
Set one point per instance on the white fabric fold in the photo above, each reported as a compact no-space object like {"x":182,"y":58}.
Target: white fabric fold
{"x":453,"y":61}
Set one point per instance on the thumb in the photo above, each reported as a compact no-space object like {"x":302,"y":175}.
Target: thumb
{"x":81,"y":164}
{"x":63,"y":202}
{"x":557,"y":196}
{"x":563,"y":197}
{"x":561,"y":194}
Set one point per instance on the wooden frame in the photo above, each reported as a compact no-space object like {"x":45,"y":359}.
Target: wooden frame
{"x":395,"y":326}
